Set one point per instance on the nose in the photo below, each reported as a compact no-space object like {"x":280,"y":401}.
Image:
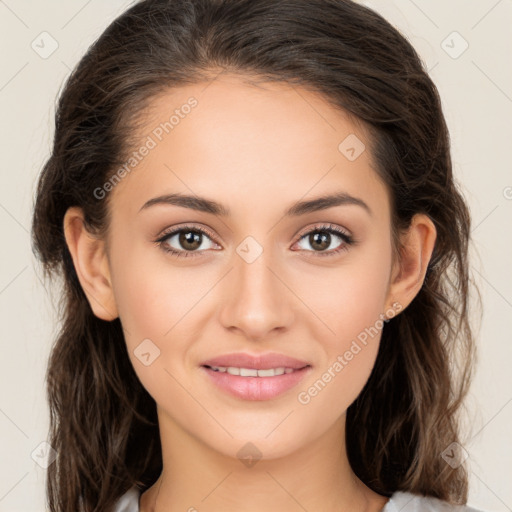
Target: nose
{"x":256,"y":300}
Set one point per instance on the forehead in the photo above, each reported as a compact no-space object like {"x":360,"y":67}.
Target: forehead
{"x":243,"y":142}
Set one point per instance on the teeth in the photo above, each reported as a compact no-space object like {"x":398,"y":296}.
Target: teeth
{"x":251,"y":372}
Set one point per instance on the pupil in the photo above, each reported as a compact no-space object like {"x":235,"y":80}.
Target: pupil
{"x":321,"y":238}
{"x":190,"y":240}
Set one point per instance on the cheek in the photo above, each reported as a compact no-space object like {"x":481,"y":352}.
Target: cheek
{"x":352,"y":297}
{"x":142,"y":311}
{"x":150,"y":296}
{"x":159,"y":303}
{"x":145,"y":311}
{"x":150,"y":305}
{"x":351,"y":307}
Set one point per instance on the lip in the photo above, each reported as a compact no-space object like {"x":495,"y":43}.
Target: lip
{"x":256,"y":388}
{"x":258,"y":361}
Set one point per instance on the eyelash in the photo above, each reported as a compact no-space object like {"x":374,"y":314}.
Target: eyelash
{"x":324,"y":228}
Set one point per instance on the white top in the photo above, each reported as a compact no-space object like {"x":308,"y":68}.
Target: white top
{"x":399,"y":502}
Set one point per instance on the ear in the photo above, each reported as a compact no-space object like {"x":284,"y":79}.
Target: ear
{"x":409,"y":271}
{"x":91,"y":264}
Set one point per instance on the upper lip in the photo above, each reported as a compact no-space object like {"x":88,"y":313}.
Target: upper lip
{"x":257,"y":362}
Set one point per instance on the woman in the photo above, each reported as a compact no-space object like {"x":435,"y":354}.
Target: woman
{"x":265,"y":266}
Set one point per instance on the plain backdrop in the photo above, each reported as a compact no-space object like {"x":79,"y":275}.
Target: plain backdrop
{"x":465,"y":45}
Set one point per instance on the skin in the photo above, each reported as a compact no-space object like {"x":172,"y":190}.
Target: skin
{"x":256,"y":150}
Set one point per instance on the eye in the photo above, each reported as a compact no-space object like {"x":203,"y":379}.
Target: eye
{"x":321,"y":237}
{"x":185,"y":241}
{"x":189,"y":239}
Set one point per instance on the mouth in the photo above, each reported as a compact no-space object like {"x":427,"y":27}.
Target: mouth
{"x":253,"y":372}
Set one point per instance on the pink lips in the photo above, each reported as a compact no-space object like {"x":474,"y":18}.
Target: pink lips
{"x":259,"y":362}
{"x":256,"y":388}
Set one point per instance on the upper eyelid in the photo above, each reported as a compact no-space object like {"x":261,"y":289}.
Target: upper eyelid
{"x":174,"y":230}
{"x":324,"y":226}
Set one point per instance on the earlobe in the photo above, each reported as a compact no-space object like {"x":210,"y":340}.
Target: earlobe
{"x":417,"y":245}
{"x":91,"y":264}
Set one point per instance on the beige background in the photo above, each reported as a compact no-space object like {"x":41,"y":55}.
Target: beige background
{"x":476,"y":87}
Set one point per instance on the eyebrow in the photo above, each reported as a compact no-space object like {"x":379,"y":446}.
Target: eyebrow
{"x":299,"y":208}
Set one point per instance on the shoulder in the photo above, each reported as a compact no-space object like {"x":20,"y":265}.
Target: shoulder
{"x":407,"y":502}
{"x":399,"y":502}
{"x":128,"y":502}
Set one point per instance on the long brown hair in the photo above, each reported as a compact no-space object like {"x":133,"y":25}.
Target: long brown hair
{"x":103,"y":423}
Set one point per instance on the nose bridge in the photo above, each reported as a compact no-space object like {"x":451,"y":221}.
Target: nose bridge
{"x":258,"y":301}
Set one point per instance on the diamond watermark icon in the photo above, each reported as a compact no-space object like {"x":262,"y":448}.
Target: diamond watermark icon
{"x":44,"y":45}
{"x":146,"y":352}
{"x":454,"y":45}
{"x":249,"y":454}
{"x":351,"y":147}
{"x":249,"y":249}
{"x":44,"y":455}
{"x":454,"y":455}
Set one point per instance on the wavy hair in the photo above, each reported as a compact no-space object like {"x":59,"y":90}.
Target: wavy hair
{"x":103,"y":423}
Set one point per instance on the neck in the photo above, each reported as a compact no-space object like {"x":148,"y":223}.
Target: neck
{"x":316,"y":477}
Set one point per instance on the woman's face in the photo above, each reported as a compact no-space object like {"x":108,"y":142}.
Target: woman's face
{"x":261,"y":275}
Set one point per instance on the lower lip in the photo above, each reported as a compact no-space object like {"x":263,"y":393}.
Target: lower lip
{"x":256,"y":388}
